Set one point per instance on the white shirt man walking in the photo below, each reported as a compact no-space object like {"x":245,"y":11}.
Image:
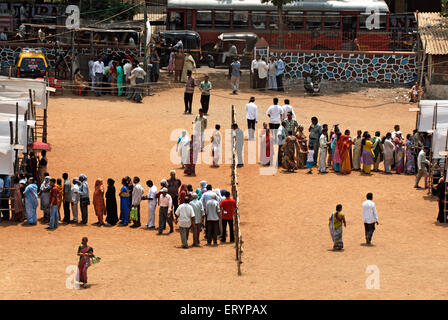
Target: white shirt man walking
{"x":185,"y":216}
{"x":370,"y":217}
{"x":152,"y":203}
{"x":252,"y":117}
{"x":422,"y":171}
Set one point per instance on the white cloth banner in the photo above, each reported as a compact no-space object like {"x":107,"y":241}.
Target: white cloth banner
{"x":22,"y":86}
{"x":426,"y":117}
{"x":7,"y":156}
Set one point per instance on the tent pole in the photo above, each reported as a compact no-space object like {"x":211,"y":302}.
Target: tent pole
{"x":16,"y":163}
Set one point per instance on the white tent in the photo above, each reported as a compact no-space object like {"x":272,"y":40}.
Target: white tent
{"x":438,"y":143}
{"x":425,"y":117}
{"x":7,"y":156}
{"x":22,"y":86}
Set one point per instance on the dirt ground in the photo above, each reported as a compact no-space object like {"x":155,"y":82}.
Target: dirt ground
{"x":284,"y":217}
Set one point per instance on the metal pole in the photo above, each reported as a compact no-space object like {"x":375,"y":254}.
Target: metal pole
{"x":145,"y":34}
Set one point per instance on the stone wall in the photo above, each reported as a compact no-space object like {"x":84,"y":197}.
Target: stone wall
{"x":361,"y":67}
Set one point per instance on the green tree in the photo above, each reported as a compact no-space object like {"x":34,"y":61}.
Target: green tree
{"x":279,"y":4}
{"x":444,"y":11}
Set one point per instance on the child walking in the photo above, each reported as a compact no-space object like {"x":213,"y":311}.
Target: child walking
{"x":310,"y":159}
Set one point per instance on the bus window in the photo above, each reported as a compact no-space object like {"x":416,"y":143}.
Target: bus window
{"x":204,"y":18}
{"x":189,"y":20}
{"x":332,"y":21}
{"x":177,"y":21}
{"x":240,"y":19}
{"x":273,"y":22}
{"x":295,"y":20}
{"x":258,"y":19}
{"x":367,"y":23}
{"x":313,"y":20}
{"x":222,"y":19}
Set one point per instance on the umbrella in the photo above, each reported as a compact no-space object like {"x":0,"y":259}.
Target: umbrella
{"x":39,"y":146}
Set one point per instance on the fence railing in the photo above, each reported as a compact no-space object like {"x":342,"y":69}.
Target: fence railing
{"x":235,"y":194}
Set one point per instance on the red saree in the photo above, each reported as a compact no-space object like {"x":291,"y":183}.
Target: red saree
{"x":344,"y":144}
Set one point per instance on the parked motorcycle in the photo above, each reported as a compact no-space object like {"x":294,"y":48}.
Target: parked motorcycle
{"x":312,"y":82}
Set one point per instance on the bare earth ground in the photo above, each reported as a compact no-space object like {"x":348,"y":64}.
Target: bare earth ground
{"x":287,"y":246}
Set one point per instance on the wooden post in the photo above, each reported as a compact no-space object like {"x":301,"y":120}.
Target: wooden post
{"x":145,"y":34}
{"x":444,"y":180}
{"x":44,"y":134}
{"x":16,"y":142}
{"x":11,"y":132}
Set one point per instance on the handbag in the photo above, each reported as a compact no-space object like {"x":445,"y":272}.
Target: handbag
{"x":134,"y":214}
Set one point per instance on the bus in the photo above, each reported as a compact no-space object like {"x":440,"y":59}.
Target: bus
{"x":307,"y":24}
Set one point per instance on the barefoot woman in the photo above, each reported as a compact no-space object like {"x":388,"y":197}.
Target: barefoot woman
{"x":85,"y":252}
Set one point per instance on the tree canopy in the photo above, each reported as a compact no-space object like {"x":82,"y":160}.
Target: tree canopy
{"x":278,"y":3}
{"x":444,"y":11}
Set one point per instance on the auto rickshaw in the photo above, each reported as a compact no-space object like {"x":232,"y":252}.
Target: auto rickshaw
{"x":166,"y":40}
{"x":230,"y":45}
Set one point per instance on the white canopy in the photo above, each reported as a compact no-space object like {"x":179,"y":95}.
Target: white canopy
{"x":7,"y":156}
{"x":438,"y":143}
{"x":426,"y":115}
{"x":22,"y":85}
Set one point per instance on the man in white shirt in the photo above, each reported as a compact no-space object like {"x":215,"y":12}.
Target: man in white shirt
{"x":281,"y":136}
{"x":254,"y":72}
{"x":287,"y":108}
{"x":98,"y":69}
{"x":421,"y":165}
{"x":152,"y":203}
{"x":275,"y":113}
{"x":396,"y":130}
{"x":370,"y":217}
{"x":213,"y":215}
{"x":185,"y":216}
{"x":252,"y":117}
{"x":137,"y":194}
{"x":127,"y":73}
{"x":75,"y":199}
{"x":138,"y":75}
{"x":262,"y":73}
{"x":323,"y":144}
{"x":165,"y":205}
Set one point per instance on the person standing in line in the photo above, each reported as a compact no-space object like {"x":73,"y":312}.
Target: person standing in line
{"x":192,"y":156}
{"x":31,"y":202}
{"x":165,"y":207}
{"x":60,"y":194}
{"x":44,"y":191}
{"x":189,"y":90}
{"x":213,"y":216}
{"x":323,"y":145}
{"x":315,"y":130}
{"x":75,"y":199}
{"x":357,"y":150}
{"x":198,"y":218}
{"x":173,"y":188}
{"x":367,"y":154}
{"x":216,"y":146}
{"x":67,"y":197}
{"x":138,"y":76}
{"x":337,"y":220}
{"x":124,"y":202}
{"x":274,"y":113}
{"x":389,"y":148}
{"x":252,"y":117}
{"x":370,"y":217}
{"x":254,"y":72}
{"x":377,"y":151}
{"x":227,"y":206}
{"x":287,"y":108}
{"x":279,"y":74}
{"x":235,"y":75}
{"x":98,"y":202}
{"x":239,"y":143}
{"x":281,"y":137}
{"x":422,"y":162}
{"x":152,"y":203}
{"x":98,"y":68}
{"x":53,"y":205}
{"x":111,"y":203}
{"x":200,"y":124}
{"x":344,"y":147}
{"x":84,"y":198}
{"x":137,"y":193}
{"x":262,"y":74}
{"x":272,"y":70}
{"x":185,"y":217}
{"x":127,"y":73}
{"x":205,"y":86}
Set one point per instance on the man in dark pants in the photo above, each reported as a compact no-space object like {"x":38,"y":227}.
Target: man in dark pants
{"x":67,"y":197}
{"x":84,"y":198}
{"x":279,"y":74}
{"x":205,"y":88}
{"x":189,"y":90}
{"x":227,"y":207}
{"x":165,"y":213}
{"x":173,"y":188}
{"x":440,"y":192}
{"x":213,"y":215}
{"x":370,"y":217}
{"x":315,"y":131}
{"x":252,"y":117}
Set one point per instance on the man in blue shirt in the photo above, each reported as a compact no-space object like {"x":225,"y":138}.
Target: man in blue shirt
{"x":279,"y":73}
{"x":235,"y":75}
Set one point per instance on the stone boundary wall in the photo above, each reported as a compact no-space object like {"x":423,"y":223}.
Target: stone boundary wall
{"x":361,"y":67}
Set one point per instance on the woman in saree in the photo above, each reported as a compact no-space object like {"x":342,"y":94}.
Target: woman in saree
{"x":410,"y":156}
{"x":98,"y":201}
{"x":301,"y":150}
{"x":171,"y":65}
{"x":189,"y":65}
{"x":337,"y":219}
{"x":17,"y":201}
{"x":357,"y":149}
{"x":85,"y":253}
{"x":335,"y":151}
{"x":399,"y":153}
{"x":367,"y":154}
{"x":377,"y":148}
{"x":44,"y":192}
{"x":289,"y":152}
{"x":344,"y":146}
{"x":389,"y":148}
{"x":120,"y":79}
{"x":190,"y":166}
{"x":31,"y":202}
{"x":266,"y":145}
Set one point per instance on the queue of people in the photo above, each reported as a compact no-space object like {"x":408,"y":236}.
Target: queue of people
{"x":270,"y":72}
